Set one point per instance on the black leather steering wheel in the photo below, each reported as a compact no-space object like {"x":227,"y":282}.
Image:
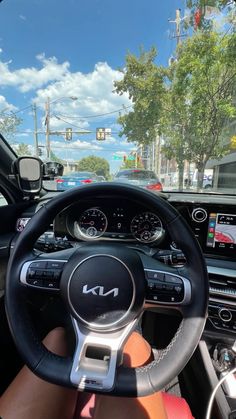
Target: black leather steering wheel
{"x":106,"y":288}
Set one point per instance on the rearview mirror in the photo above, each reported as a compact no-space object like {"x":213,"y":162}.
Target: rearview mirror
{"x":28,"y":171}
{"x":53,"y":169}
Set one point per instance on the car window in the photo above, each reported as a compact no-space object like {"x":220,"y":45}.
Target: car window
{"x":3,"y":200}
{"x":137,"y":174}
{"x":95,"y":101}
{"x":83,"y":174}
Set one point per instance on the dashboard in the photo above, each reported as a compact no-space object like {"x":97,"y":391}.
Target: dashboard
{"x":119,"y":220}
{"x":212,"y":219}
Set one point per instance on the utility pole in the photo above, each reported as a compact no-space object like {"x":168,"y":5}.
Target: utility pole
{"x":178,"y":35}
{"x":158,"y":156}
{"x":178,"y":20}
{"x":36,"y":143}
{"x":47,"y":123}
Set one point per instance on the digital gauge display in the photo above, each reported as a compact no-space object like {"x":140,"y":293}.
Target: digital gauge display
{"x":92,"y":223}
{"x":146,"y":227}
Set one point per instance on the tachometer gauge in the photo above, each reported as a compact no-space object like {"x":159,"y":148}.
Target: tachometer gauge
{"x":146,"y":227}
{"x":92,"y":224}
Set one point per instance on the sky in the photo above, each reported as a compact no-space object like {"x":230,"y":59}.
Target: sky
{"x":74,"y":48}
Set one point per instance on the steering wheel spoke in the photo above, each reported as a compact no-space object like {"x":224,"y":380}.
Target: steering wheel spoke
{"x":97,"y":356}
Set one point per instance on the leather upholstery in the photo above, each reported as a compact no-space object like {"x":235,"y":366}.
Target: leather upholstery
{"x":176,"y":407}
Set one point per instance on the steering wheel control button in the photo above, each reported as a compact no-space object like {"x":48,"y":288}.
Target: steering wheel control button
{"x":165,"y":288}
{"x":43,"y":274}
{"x":39,"y":265}
{"x":155,"y":275}
{"x":55,"y":264}
{"x":35,"y":282}
{"x":51,"y":284}
{"x":173,"y":279}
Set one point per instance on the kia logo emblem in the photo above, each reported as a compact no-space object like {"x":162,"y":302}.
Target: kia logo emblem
{"x":99,"y":291}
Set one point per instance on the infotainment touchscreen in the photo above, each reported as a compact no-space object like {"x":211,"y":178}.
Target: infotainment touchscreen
{"x":221,"y":232}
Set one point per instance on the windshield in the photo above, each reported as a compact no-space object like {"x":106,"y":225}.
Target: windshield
{"x":94,"y":88}
{"x":137,"y":174}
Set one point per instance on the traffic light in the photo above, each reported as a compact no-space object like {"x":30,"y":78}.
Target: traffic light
{"x":68,"y":134}
{"x":40,"y":152}
{"x":124,"y":159}
{"x":100,"y":134}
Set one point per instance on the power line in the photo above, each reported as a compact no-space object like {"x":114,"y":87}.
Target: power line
{"x":67,"y":122}
{"x":19,"y":110}
{"x":76,"y":126}
{"x":98,"y":115}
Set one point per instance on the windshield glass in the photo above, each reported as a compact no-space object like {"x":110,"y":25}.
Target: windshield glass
{"x":96,"y":87}
{"x":137,"y":174}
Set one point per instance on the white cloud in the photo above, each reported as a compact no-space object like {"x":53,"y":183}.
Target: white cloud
{"x":31,"y":78}
{"x":22,"y":17}
{"x":1,"y":50}
{"x":22,"y":134}
{"x":110,"y":140}
{"x":94,"y":91}
{"x":28,"y":132}
{"x":82,"y":145}
{"x":5,"y":106}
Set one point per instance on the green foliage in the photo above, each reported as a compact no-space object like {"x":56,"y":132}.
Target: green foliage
{"x":144,"y":83}
{"x":201,"y":98}
{"x":131,"y":164}
{"x":189,"y":103}
{"x":95,"y":164}
{"x":205,"y":23}
{"x":8,"y":126}
{"x":22,"y":149}
{"x":53,"y":157}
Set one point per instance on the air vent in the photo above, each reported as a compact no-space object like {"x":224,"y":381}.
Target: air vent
{"x":199,"y":215}
{"x":222,"y":286}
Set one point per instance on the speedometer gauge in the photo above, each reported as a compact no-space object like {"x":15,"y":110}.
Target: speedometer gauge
{"x":146,"y":227}
{"x":92,"y":223}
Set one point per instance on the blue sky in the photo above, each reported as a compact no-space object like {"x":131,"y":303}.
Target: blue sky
{"x":55,"y":49}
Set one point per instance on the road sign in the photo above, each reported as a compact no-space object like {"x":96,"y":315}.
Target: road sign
{"x":116,"y":157}
{"x":107,"y":133}
{"x":131,"y":158}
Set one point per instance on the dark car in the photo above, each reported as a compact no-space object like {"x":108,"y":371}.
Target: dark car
{"x":140,"y":177}
{"x":74,"y":179}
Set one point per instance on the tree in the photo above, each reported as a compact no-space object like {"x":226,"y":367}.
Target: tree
{"x":22,"y":149}
{"x":190,"y":102}
{"x":8,"y":126}
{"x":202,"y":11}
{"x":144,"y":83}
{"x":94,"y":164}
{"x":204,"y":81}
{"x":131,"y":164}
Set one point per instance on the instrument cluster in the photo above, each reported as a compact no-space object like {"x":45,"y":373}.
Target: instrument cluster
{"x":115,"y":223}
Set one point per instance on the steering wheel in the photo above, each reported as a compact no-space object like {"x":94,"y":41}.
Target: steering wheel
{"x":106,"y":288}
